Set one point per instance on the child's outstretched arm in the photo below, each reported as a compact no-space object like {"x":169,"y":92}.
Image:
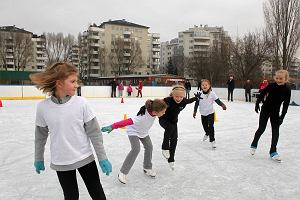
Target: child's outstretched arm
{"x":220,"y":103}
{"x":92,"y":130}
{"x":120,"y":124}
{"x":41,"y":135}
{"x":195,"y":108}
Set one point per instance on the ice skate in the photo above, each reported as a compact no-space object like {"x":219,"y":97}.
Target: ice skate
{"x":274,"y":156}
{"x":252,"y":150}
{"x":122,"y":178}
{"x":205,"y":138}
{"x":166,"y":153}
{"x":150,"y":172}
{"x":213,"y":144}
{"x":172,"y":165}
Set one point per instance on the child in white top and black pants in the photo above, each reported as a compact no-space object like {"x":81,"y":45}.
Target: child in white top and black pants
{"x":205,"y":102}
{"x":137,"y":130}
{"x":72,"y":126}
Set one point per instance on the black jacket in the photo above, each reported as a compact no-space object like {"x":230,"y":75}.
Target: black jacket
{"x":230,"y":84}
{"x":174,"y":108}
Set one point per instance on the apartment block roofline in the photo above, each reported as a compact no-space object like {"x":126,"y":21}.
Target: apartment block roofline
{"x":122,"y":22}
{"x":14,"y":29}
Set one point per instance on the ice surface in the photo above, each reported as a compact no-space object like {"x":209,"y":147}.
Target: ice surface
{"x":229,"y":172}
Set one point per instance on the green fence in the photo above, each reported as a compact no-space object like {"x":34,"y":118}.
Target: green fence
{"x":15,"y":77}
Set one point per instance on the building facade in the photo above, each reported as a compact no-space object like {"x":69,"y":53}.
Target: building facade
{"x":21,"y":50}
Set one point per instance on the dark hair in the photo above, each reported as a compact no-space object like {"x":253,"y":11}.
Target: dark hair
{"x":46,"y":80}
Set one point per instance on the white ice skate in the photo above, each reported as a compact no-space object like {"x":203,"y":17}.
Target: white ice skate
{"x":213,"y":144}
{"x":122,"y":178}
{"x":166,"y":153}
{"x":252,"y":150}
{"x":150,"y":172}
{"x":205,"y":137}
{"x":274,"y":156}
{"x":172,"y":165}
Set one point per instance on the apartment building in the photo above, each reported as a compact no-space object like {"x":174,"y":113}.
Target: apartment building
{"x":21,"y":50}
{"x":154,"y":49}
{"x":198,"y":40}
{"x":118,"y":47}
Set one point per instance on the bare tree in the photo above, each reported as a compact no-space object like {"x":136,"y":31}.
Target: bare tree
{"x":102,"y":55}
{"x":58,"y":47}
{"x":125,"y":56}
{"x":248,"y":55}
{"x":3,"y":51}
{"x":283,"y":25}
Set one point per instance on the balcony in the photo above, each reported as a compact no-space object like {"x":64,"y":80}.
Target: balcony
{"x":155,"y":35}
{"x":201,"y":43}
{"x":127,"y":33}
{"x":95,"y":45}
{"x":9,"y":50}
{"x":155,"y":49}
{"x":95,"y":60}
{"x":155,"y":42}
{"x":127,"y":40}
{"x":126,"y":54}
{"x":10,"y":63}
{"x":94,"y":37}
{"x":155,"y":56}
{"x":9,"y":56}
{"x":127,"y":47}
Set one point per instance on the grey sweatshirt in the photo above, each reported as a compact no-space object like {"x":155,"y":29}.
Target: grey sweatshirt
{"x":92,"y":130}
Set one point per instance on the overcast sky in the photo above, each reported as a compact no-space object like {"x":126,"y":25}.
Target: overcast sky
{"x":166,"y":17}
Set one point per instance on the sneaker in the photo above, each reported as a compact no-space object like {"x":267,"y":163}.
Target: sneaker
{"x":274,"y":156}
{"x":150,"y":172}
{"x":122,"y":178}
{"x":252,"y":150}
{"x":213,"y":144}
{"x":172,"y":165}
{"x":205,"y":138}
{"x":166,"y":153}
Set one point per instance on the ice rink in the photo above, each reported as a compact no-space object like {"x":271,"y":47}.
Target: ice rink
{"x":227,"y":173}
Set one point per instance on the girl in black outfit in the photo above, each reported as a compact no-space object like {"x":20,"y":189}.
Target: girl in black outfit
{"x":176,"y":102}
{"x":276,"y":94}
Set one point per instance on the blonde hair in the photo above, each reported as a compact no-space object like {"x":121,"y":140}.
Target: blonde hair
{"x":156,"y":105}
{"x":284,"y":72}
{"x":46,"y":80}
{"x":177,"y":88}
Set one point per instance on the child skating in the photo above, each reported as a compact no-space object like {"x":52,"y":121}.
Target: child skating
{"x":176,"y":103}
{"x":137,"y":129}
{"x":72,"y":126}
{"x":274,"y":94}
{"x":206,"y":109}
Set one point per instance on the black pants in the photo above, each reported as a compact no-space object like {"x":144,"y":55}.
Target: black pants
{"x":230,"y":94}
{"x":208,"y":126}
{"x":170,"y":137}
{"x":90,"y":176}
{"x":248,"y":95}
{"x":264,"y":116}
{"x":187,"y":95}
{"x":113,"y":93}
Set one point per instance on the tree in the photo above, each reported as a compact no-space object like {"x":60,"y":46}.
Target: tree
{"x":58,"y":47}
{"x":282,"y":19}
{"x":125,"y":56}
{"x":248,"y":55}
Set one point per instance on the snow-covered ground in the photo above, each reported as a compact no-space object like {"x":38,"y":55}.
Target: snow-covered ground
{"x":229,"y":172}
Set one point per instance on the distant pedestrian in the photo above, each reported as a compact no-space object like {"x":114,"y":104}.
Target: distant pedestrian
{"x":248,"y":87}
{"x":188,"y":88}
{"x":230,"y":86}
{"x":140,"y":88}
{"x":129,"y":90}
{"x":121,"y":89}
{"x":113,"y":85}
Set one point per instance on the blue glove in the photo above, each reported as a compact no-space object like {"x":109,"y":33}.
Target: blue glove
{"x":107,"y":129}
{"x":105,"y":166}
{"x":39,"y":166}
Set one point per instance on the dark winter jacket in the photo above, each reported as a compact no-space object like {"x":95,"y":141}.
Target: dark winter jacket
{"x":230,"y":84}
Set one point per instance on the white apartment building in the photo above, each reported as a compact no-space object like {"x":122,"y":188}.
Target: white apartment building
{"x":98,"y":42}
{"x":167,"y":51}
{"x":40,"y":58}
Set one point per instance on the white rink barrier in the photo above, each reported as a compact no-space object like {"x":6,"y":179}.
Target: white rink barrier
{"x":10,"y":92}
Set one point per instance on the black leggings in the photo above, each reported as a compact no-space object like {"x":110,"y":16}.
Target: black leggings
{"x":263,"y":120}
{"x":170,"y":137}
{"x":208,"y":126}
{"x":90,"y":176}
{"x":230,"y":94}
